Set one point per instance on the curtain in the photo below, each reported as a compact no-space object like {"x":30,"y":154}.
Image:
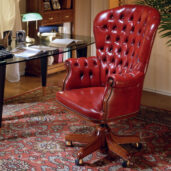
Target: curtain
{"x":10,"y":20}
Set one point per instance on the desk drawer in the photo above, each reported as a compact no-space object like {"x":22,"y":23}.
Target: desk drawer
{"x":51,"y":19}
{"x":57,"y":17}
{"x":67,"y":16}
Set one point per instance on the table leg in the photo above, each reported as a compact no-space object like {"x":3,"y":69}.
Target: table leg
{"x":2,"y":85}
{"x":44,"y":73}
{"x":82,"y":52}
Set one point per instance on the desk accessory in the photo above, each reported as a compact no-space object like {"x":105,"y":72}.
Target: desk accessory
{"x":20,"y":36}
{"x":5,"y":54}
{"x":8,"y":36}
{"x":30,"y":17}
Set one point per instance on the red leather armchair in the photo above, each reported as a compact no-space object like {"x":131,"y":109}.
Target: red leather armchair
{"x":108,"y":86}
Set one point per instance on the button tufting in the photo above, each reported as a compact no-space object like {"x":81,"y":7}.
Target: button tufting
{"x":126,"y":40}
{"x":81,"y":74}
{"x":108,"y":37}
{"x":114,"y":27}
{"x":119,"y":50}
{"x":104,"y":27}
{"x":112,"y":60}
{"x":94,"y":62}
{"x":127,"y":52}
{"x":90,"y":74}
{"x":139,"y":32}
{"x":121,"y":17}
{"x":133,"y":54}
{"x":133,"y":41}
{"x":131,"y":18}
{"x":117,"y":38}
{"x":139,"y":20}
{"x":104,"y":59}
{"x":124,"y":28}
{"x":102,"y":48}
{"x":85,"y":64}
{"x":111,"y":16}
{"x":132,"y":29}
{"x":76,"y":64}
{"x":110,"y":49}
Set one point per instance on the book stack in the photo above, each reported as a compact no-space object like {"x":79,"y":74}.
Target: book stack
{"x":64,"y":45}
{"x":66,"y":4}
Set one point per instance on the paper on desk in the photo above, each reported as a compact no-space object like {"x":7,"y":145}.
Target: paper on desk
{"x":26,"y":52}
{"x":43,"y":48}
{"x":64,"y":43}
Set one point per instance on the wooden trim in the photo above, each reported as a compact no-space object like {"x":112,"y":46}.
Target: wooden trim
{"x":113,"y":3}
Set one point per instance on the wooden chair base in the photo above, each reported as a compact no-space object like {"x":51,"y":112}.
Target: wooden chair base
{"x":102,"y":138}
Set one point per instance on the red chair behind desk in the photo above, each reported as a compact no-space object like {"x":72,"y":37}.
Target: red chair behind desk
{"x":108,"y":86}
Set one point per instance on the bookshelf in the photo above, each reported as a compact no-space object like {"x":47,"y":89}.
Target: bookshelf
{"x":52,"y":14}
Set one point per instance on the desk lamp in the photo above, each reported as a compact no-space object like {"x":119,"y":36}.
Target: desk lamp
{"x":30,"y":17}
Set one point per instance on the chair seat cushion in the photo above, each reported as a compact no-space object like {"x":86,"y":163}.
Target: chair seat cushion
{"x":85,"y":101}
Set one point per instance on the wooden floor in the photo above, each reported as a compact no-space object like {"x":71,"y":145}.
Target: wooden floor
{"x":27,"y":83}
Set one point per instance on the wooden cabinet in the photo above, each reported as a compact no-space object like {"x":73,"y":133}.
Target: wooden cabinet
{"x":50,"y":17}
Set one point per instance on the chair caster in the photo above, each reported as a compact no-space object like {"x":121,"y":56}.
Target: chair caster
{"x":68,"y":143}
{"x":138,"y":146}
{"x":125,"y":163}
{"x":79,"y":162}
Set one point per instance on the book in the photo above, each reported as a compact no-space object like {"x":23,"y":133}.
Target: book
{"x":66,"y":4}
{"x":47,"y":29}
{"x":65,"y":43}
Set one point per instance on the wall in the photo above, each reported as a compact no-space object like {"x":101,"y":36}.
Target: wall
{"x":158,"y":77}
{"x":96,"y":7}
{"x":83,"y":17}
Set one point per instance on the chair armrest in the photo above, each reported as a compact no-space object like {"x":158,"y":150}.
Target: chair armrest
{"x":126,"y":79}
{"x":122,"y":94}
{"x":82,"y":72}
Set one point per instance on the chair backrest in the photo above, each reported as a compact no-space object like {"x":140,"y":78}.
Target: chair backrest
{"x":124,"y":37}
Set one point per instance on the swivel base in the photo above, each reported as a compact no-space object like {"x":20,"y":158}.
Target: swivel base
{"x":102,"y":138}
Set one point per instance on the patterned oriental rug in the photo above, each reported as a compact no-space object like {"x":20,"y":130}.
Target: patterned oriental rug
{"x":34,"y":127}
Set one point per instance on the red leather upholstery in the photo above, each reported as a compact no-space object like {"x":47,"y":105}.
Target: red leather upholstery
{"x":79,"y":101}
{"x":126,"y":38}
{"x":83,"y":72}
{"x":109,"y":86}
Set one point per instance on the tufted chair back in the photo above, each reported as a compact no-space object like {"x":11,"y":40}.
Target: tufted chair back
{"x":124,"y":38}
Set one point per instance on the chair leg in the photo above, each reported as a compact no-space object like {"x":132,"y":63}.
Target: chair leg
{"x":117,"y":149}
{"x":83,"y":138}
{"x":125,"y":139}
{"x":91,"y":147}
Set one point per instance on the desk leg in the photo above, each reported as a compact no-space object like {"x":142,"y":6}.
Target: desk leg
{"x":44,"y":73}
{"x":82,"y":52}
{"x":2,"y":85}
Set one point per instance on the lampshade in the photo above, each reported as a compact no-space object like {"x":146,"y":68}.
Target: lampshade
{"x":31,"y":17}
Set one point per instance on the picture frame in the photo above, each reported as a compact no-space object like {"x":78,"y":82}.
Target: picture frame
{"x":20,"y":36}
{"x":55,"y":4}
{"x":47,"y":5}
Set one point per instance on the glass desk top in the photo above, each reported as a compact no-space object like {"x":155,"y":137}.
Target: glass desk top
{"x":45,"y":41}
